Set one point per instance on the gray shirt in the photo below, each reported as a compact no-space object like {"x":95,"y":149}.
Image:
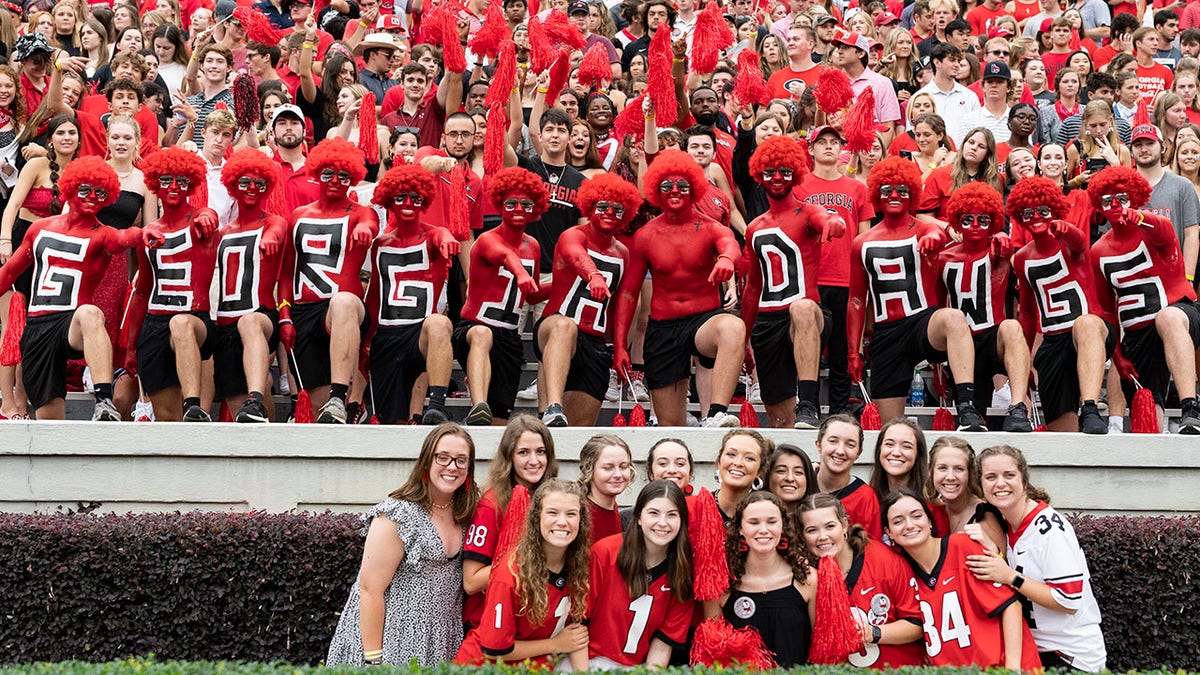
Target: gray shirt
{"x":1175,"y":198}
{"x":1095,"y":14}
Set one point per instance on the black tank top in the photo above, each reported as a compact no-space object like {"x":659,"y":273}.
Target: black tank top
{"x":780,"y":616}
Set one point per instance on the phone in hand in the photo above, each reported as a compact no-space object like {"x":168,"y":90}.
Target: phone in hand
{"x":906,"y":154}
{"x":1095,"y":164}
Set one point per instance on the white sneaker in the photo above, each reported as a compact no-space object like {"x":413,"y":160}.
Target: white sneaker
{"x":143,"y":411}
{"x":1002,"y":397}
{"x":639,"y":391}
{"x":614,"y":387}
{"x":754,"y":394}
{"x":1116,"y":425}
{"x":722,"y":419}
{"x":528,"y":393}
{"x":88,"y":387}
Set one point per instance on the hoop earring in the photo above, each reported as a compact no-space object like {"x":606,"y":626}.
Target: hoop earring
{"x":757,"y":484}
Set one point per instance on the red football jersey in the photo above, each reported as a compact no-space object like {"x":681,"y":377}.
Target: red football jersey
{"x":480,"y":545}
{"x":503,"y":623}
{"x":962,"y":614}
{"x":321,"y":257}
{"x":862,"y":506}
{"x":621,"y":628}
{"x":784,"y":255}
{"x":974,"y":282}
{"x":1058,"y":283}
{"x":408,"y":275}
{"x":179,"y":272}
{"x":1139,"y":272}
{"x":569,"y":293}
{"x":882,"y":590}
{"x":605,"y":522}
{"x":493,"y":298}
{"x":247,"y":276}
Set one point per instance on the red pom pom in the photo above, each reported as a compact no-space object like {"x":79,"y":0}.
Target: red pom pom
{"x":368,"y":134}
{"x":832,"y":90}
{"x":559,"y":72}
{"x":304,"y":412}
{"x":504,"y":78}
{"x":870,"y":418}
{"x":660,"y":83}
{"x":594,"y":69}
{"x":706,"y":531}
{"x":860,"y":128}
{"x":562,"y":32}
{"x":10,"y":350}
{"x":441,"y":27}
{"x":943,"y":420}
{"x":494,"y":34}
{"x":619,"y":420}
{"x":460,"y":208}
{"x":1143,"y":416}
{"x":749,"y":86}
{"x":540,"y":53}
{"x":493,"y":140}
{"x":710,"y":35}
{"x":637,"y":416}
{"x":1040,"y":427}
{"x":839,"y":636}
{"x":245,"y":101}
{"x":258,"y":28}
{"x":717,"y":643}
{"x":747,"y":416}
{"x":374,"y":419}
{"x":630,"y":121}
{"x":225,"y":415}
{"x":514,"y":521}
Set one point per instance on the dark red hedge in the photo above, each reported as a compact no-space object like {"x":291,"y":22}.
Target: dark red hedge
{"x":266,"y":587}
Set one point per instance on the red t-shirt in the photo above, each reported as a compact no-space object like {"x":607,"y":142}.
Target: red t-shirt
{"x":847,"y":198}
{"x":981,"y":18}
{"x":1054,"y":62}
{"x":780,"y":79}
{"x":882,"y":590}
{"x":504,"y":623}
{"x":1153,"y":80}
{"x":936,"y":192}
{"x":621,"y":628}
{"x":862,"y":506}
{"x":605,"y":522}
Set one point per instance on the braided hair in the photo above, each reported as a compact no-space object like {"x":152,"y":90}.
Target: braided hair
{"x":56,"y":203}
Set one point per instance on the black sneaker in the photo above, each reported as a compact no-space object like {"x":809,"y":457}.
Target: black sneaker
{"x":356,"y":413}
{"x":195,"y":413}
{"x":554,"y":416}
{"x":1017,"y":419}
{"x":807,"y":416}
{"x":1189,"y":421}
{"x":969,"y":419}
{"x":480,"y":415}
{"x":252,"y":411}
{"x":1090,"y":421}
{"x":433,"y":416}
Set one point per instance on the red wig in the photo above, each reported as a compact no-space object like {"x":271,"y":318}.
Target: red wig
{"x":515,"y":181}
{"x":337,"y":154}
{"x":977,"y":198}
{"x":90,"y":171}
{"x":778,"y":151}
{"x":672,"y":164}
{"x":172,"y":162}
{"x":253,"y":163}
{"x":1033,"y":192}
{"x":404,"y":178}
{"x":609,"y":186}
{"x":895,"y":171}
{"x":1114,"y":179}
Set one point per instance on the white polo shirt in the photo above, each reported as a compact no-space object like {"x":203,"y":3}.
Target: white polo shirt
{"x":953,"y":106}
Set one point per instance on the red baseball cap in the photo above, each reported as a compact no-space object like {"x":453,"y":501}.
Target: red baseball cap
{"x":886,"y":19}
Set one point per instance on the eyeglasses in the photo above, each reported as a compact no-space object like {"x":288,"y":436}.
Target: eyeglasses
{"x":1000,"y":53}
{"x":459,"y":135}
{"x":444,"y":459}
{"x":245,"y":182}
{"x":408,"y":197}
{"x":525,"y":204}
{"x":887,"y":190}
{"x":165,"y":181}
{"x":85,"y":190}
{"x":342,"y":176}
{"x":969,"y":220}
{"x":785,"y":174}
{"x":1028,"y":214}
{"x":604,"y":207}
{"x":682,"y":185}
{"x":1107,"y":200}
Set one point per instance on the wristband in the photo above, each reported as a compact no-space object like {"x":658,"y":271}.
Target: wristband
{"x":876,"y":634}
{"x":283,"y":304}
{"x":1190,"y":277}
{"x":307,"y":45}
{"x":725,"y":255}
{"x":543,"y":90}
{"x":364,"y":24}
{"x":676,"y":60}
{"x":851,"y":170}
{"x":285,"y":322}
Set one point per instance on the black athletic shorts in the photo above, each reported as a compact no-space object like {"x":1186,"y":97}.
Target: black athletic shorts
{"x":1144,"y":348}
{"x":775,"y":355}
{"x":589,"y":364}
{"x":156,"y":357}
{"x":396,"y":363}
{"x":229,"y":375}
{"x":312,"y":342}
{"x":987,"y":364}
{"x":1057,"y":366}
{"x":507,"y":357}
{"x":45,"y":351}
{"x":669,"y":346}
{"x":896,"y":349}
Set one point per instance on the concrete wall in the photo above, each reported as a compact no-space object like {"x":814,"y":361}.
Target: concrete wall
{"x":168,"y":467}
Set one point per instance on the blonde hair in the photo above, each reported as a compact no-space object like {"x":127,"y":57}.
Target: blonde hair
{"x":589,"y":454}
{"x":1097,"y":107}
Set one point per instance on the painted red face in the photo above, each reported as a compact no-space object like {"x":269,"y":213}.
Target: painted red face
{"x":174,"y":190}
{"x":778,"y":181}
{"x":517,"y":211}
{"x":249,"y":191}
{"x":608,"y":217}
{"x":1113,"y":206}
{"x":406,"y":207}
{"x":1036,"y":219}
{"x":88,"y":199}
{"x":675,"y":194}
{"x":975,"y":227}
{"x":894,"y":199}
{"x":334,"y":184}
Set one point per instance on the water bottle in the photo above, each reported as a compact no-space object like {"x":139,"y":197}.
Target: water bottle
{"x":917,"y":397}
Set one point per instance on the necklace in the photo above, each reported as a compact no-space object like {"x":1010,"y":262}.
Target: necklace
{"x":125,"y":175}
{"x":441,"y":507}
{"x":550,"y":176}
